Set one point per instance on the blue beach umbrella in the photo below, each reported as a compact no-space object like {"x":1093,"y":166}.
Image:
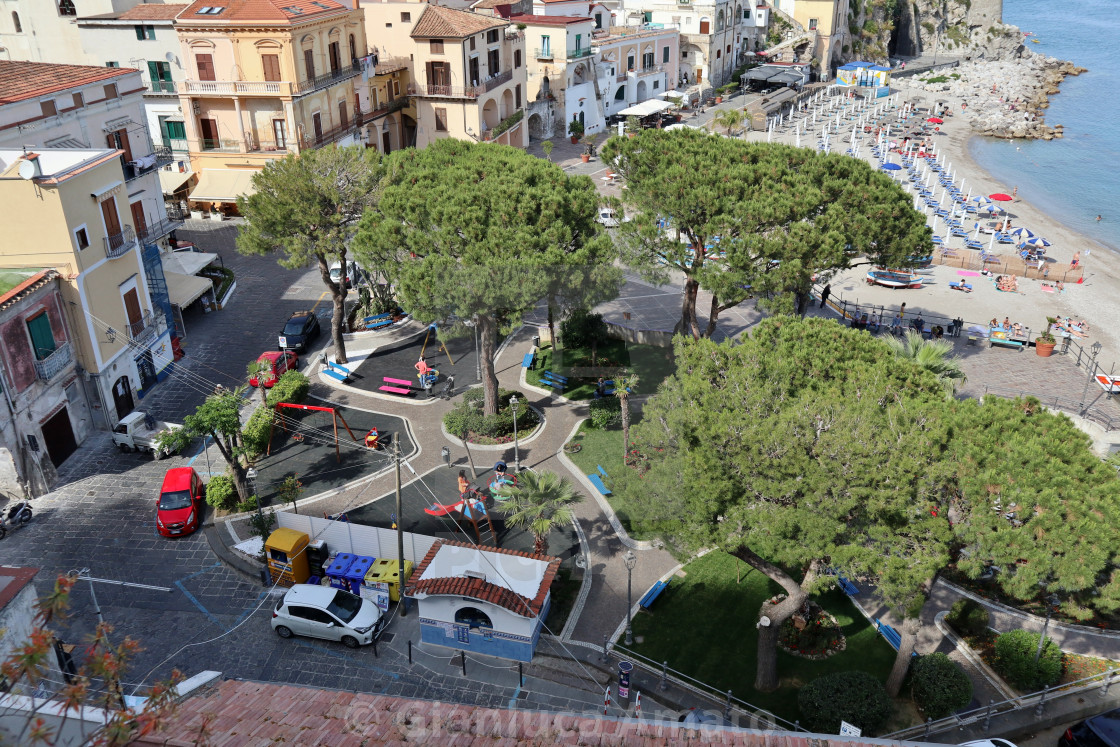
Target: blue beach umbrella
{"x":891,"y":167}
{"x":1036,"y":241}
{"x":982,"y":200}
{"x":1022,"y":233}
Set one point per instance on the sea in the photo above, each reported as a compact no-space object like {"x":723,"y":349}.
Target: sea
{"x":1076,"y":178}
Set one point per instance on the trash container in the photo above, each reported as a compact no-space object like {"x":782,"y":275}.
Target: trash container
{"x":356,"y":573}
{"x":624,"y":670}
{"x":317,"y":557}
{"x":387,"y":571}
{"x":287,"y":559}
{"x":336,"y":571}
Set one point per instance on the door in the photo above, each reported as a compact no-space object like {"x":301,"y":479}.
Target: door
{"x":704,"y":26}
{"x":297,"y":619}
{"x":112,"y":221}
{"x":309,"y":62}
{"x":385,"y":142}
{"x":138,"y":221}
{"x":343,"y":119}
{"x":122,"y":397}
{"x":205,"y":65}
{"x":317,"y":124}
{"x":42,"y":338}
{"x":280,"y":132}
{"x":147,"y":370}
{"x":473,"y":65}
{"x":209,"y":128}
{"x":321,"y":624}
{"x":58,"y":436}
{"x":119,"y":139}
{"x":173,"y":132}
{"x":132,"y":311}
{"x":336,"y":57}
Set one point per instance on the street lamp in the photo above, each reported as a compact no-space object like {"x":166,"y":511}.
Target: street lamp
{"x":1052,"y":602}
{"x":516,"y":450}
{"x":630,"y":559}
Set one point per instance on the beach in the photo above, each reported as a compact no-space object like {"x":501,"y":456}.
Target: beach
{"x":1093,"y":301}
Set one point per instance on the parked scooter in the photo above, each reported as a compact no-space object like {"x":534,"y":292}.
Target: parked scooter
{"x":18,"y":515}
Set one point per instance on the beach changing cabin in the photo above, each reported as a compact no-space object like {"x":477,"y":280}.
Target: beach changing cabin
{"x":865,"y":74}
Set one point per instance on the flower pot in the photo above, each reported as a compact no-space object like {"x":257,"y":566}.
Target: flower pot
{"x":575,"y":140}
{"x":584,"y":157}
{"x":719,"y":99}
{"x":1043,"y":349}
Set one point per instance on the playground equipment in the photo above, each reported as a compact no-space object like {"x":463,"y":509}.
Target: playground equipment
{"x":433,"y":328}
{"x":428,"y":378}
{"x":501,"y":479}
{"x":470,"y":508}
{"x":373,"y":439}
{"x":335,"y":417}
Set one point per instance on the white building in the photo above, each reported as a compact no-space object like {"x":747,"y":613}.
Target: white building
{"x":483,"y":599}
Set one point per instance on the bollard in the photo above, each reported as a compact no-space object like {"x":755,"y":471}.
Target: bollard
{"x":727,"y":708}
{"x":603,"y":656}
{"x":1038,"y":709}
{"x":929,"y":726}
{"x":375,"y":654}
{"x":1107,"y":681}
{"x":664,"y":684}
{"x":410,"y":653}
{"x":464,"y":662}
{"x":988,"y":716}
{"x":520,"y":676}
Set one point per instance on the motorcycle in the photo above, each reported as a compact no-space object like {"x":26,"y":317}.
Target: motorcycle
{"x":18,"y":516}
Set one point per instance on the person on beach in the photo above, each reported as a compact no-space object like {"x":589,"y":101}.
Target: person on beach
{"x":1076,"y":259}
{"x":1098,"y":219}
{"x":1015,"y":193}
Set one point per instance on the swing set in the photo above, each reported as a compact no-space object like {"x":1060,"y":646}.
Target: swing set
{"x":335,"y":417}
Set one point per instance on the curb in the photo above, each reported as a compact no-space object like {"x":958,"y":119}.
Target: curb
{"x":993,"y":679}
{"x":498,"y":447}
{"x":227,"y":555}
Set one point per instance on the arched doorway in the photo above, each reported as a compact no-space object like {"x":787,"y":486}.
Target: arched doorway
{"x":536,"y":127}
{"x":122,"y":397}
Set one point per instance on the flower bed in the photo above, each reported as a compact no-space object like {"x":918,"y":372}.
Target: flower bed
{"x":812,"y":634}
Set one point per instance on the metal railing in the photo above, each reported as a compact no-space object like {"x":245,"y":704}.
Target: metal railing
{"x":266,"y":146}
{"x":496,"y":80}
{"x":163,"y":156}
{"x":543,"y":54}
{"x":460,"y":92}
{"x":1089,"y":412}
{"x":162,"y":86}
{"x":120,"y":244}
{"x":575,"y":54}
{"x":55,"y":363}
{"x":154,"y":231}
{"x":177,"y":214}
{"x":386,"y":65}
{"x":651,"y":69}
{"x":327,"y":79}
{"x":238,"y":87}
{"x":388,"y":107}
{"x":228,"y":146}
{"x":314,"y":140}
{"x":176,"y":145}
{"x":140,"y":327}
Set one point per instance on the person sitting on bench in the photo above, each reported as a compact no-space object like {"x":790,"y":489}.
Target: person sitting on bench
{"x":601,"y":387}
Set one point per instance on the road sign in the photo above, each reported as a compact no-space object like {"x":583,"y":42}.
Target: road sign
{"x":847,"y":730}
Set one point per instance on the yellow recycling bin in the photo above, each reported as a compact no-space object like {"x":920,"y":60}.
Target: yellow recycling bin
{"x":386,"y":571}
{"x":287,"y":556}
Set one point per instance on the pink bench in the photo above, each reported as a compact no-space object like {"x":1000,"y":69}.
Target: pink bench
{"x":401,"y":382}
{"x":395,"y":390}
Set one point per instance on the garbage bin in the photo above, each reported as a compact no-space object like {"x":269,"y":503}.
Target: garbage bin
{"x":624,"y":670}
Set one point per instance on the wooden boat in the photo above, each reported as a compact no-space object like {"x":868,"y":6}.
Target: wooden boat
{"x":1111,"y":384}
{"x":892,"y":279}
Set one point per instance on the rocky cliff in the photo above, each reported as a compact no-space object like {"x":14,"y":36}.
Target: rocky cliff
{"x":879,"y":29}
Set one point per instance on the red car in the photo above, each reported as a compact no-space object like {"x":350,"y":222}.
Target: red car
{"x":179,"y":507}
{"x":274,"y":363}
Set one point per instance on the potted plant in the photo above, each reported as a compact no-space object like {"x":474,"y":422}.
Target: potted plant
{"x":575,"y":129}
{"x":588,"y":148}
{"x":1045,"y":342}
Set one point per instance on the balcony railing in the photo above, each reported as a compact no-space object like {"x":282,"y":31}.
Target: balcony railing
{"x":237,"y":88}
{"x":176,"y":145}
{"x":496,"y":80}
{"x":387,"y":107}
{"x":162,"y":86}
{"x":386,"y":65}
{"x":515,"y":35}
{"x":543,"y":54}
{"x":154,"y":231}
{"x":139,"y":328}
{"x":651,"y":69}
{"x":327,"y":79}
{"x":326,"y":137}
{"x":176,"y":214}
{"x":160,"y":156}
{"x":55,"y":363}
{"x":575,"y":54}
{"x":227,"y":146}
{"x":120,"y":244}
{"x":507,"y":124}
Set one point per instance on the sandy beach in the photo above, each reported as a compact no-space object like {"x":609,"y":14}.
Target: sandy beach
{"x":1095,"y":300}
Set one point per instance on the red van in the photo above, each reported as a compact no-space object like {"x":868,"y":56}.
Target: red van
{"x":179,"y":506}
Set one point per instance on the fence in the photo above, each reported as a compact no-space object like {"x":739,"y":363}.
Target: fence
{"x":343,"y":536}
{"x":1003,"y":265}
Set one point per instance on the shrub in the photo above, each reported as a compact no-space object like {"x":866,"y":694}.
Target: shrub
{"x":939,"y":686}
{"x":466,"y":419}
{"x":968,"y":618}
{"x":605,"y":412}
{"x":254,"y":435}
{"x":250,"y":504}
{"x":221,"y":492}
{"x":292,"y":386}
{"x":1014,"y":660}
{"x":855,"y":697}
{"x":582,"y":329}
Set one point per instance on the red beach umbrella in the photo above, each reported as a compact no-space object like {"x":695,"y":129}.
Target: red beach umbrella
{"x":1000,"y":197}
{"x":936,"y":120}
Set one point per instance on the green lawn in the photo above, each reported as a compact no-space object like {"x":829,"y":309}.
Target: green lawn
{"x":651,"y":363}
{"x":604,"y":448}
{"x":703,"y":625}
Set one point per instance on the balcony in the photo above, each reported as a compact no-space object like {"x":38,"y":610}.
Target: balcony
{"x":504,"y":126}
{"x":386,"y":65}
{"x":513,"y":36}
{"x":327,"y":79}
{"x":543,"y":54}
{"x":460,"y":92}
{"x":176,"y":145}
{"x":575,"y":54}
{"x":120,"y":244}
{"x":237,"y":88}
{"x":334,"y":134}
{"x":387,"y":107}
{"x":161,"y":87}
{"x":142,"y":327}
{"x":152,"y":232}
{"x":224,"y":146}
{"x":651,"y":69}
{"x":55,"y":363}
{"x":160,"y":156}
{"x":176,"y":214}
{"x":496,"y":80}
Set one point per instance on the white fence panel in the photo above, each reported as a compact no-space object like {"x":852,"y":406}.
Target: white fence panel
{"x":342,"y":536}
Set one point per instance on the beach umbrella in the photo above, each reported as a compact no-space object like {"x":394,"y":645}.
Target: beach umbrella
{"x":891,"y":167}
{"x":1022,"y":233}
{"x":1000,"y":197}
{"x":1036,"y":241}
{"x":981,"y":200}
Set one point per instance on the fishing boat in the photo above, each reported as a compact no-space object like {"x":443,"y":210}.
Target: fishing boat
{"x":894,"y":279}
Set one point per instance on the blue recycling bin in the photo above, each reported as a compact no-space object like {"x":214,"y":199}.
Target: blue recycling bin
{"x":336,"y":572}
{"x":356,"y":573}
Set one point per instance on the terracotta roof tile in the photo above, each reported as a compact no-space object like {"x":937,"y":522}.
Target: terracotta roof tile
{"x":28,"y":80}
{"x":547,"y":20}
{"x":147,"y":12}
{"x":278,"y":11}
{"x":438,"y":22}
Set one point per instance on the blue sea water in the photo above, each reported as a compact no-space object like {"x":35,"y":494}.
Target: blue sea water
{"x":1077,"y":178}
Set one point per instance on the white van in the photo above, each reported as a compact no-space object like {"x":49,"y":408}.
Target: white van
{"x":608,"y":217}
{"x":326,"y":612}
{"x":351,"y":273}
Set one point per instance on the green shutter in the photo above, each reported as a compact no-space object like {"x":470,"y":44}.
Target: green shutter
{"x":665,"y":55}
{"x":153,"y":73}
{"x":42,"y":339}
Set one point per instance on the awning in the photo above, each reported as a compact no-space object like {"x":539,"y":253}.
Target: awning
{"x":170,"y":181}
{"x":223,"y":185}
{"x":186,"y":263}
{"x":106,"y":192}
{"x":645,"y":108}
{"x":786,"y":77}
{"x":185,"y":289}
{"x":672,"y":95}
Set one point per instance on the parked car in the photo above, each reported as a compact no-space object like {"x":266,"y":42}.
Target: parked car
{"x":993,"y":742}
{"x":179,"y":506}
{"x":301,"y":328}
{"x":138,"y":431}
{"x":326,"y":612}
{"x":351,"y":273}
{"x":274,"y":363}
{"x":1098,"y":731}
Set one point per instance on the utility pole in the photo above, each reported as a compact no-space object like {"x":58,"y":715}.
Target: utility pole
{"x":400,"y":527}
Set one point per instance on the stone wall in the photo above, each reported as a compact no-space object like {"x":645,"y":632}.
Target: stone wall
{"x":912,"y":28}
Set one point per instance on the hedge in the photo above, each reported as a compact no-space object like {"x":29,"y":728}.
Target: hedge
{"x":938,"y":685}
{"x":221,"y":492}
{"x":292,"y":386}
{"x":467,"y":418}
{"x":967,"y":617}
{"x":855,"y":697}
{"x":1014,"y":660}
{"x":605,"y":412}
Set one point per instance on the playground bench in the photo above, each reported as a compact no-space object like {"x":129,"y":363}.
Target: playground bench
{"x":334,"y":374}
{"x":554,"y":380}
{"x":528,"y":360}
{"x":336,"y":371}
{"x":377,"y":322}
{"x":396,"y":386}
{"x":892,"y":636}
{"x":1000,"y":338}
{"x":654,"y":592}
{"x":598,"y":480}
{"x":847,"y":586}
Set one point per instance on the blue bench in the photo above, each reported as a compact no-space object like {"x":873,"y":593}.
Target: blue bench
{"x":528,"y":360}
{"x":847,"y":586}
{"x":336,"y":371}
{"x":597,"y":480}
{"x":554,"y":380}
{"x":893,"y":636}
{"x":650,"y":596}
{"x":377,"y":322}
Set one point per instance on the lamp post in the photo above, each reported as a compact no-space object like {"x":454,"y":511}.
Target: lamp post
{"x":630,"y":559}
{"x":516,"y":451}
{"x":1052,"y":601}
{"x":1096,"y":348}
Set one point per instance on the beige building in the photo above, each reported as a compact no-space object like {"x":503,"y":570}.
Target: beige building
{"x":68,"y":209}
{"x":265,"y":78}
{"x":826,"y":23}
{"x":468,"y":70}
{"x":560,"y":74}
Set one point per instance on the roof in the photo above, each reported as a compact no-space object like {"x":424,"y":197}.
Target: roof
{"x":57,"y":164}
{"x":12,"y":581}
{"x":486,"y":4}
{"x":548,"y":20}
{"x":240,"y":712}
{"x":516,"y":581}
{"x":142,"y":12}
{"x":277,"y":11}
{"x":16,"y":283}
{"x":28,"y":80}
{"x":438,"y":22}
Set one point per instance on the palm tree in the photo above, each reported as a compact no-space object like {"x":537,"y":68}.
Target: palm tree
{"x":729,"y":118}
{"x":932,"y":355}
{"x":539,"y":503}
{"x":624,"y":384}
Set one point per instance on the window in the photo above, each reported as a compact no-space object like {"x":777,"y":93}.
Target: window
{"x":473,"y":618}
{"x":48,"y":108}
{"x":145,"y":32}
{"x":598,"y":20}
{"x":66,"y":8}
{"x":435,"y":46}
{"x":118,"y":140}
{"x":78,"y":101}
{"x":280,"y":132}
{"x":472,"y":43}
{"x":271,"y":65}
{"x":309,"y":62}
{"x":705,"y":25}
{"x":516,"y":59}
{"x":81,"y":237}
{"x":665,"y":54}
{"x":647,"y":16}
{"x":205,"y":65}
{"x":493,"y":62}
{"x":335,"y":56}
{"x":656,"y":84}
{"x":111,"y":90}
{"x":728,"y":49}
{"x":160,"y":75}
{"x":353,"y":49}
{"x":42,"y":338}
{"x":441,"y":119}
{"x":343,"y":116}
{"x":492,"y":36}
{"x":717,"y":54}
{"x":647,"y":61}
{"x":812,"y":24}
{"x":16,"y":23}
{"x":517,"y":96}
{"x":406,"y":18}
{"x":112,"y":64}
{"x":439,"y":73}
{"x":396,"y":87}
{"x":630,"y":62}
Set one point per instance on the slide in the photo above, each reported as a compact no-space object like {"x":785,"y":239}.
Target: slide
{"x":438,"y":509}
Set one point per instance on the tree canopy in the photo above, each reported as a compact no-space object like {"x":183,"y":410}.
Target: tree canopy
{"x":754,"y":218}
{"x":482,"y":232}
{"x":306,"y":208}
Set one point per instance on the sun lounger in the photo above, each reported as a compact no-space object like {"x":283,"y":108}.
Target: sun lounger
{"x":961,"y":286}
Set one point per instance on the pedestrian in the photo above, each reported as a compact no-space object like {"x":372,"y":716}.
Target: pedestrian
{"x":1015,"y":193}
{"x":1076,"y":259}
{"x":825,"y":294}
{"x":1098,"y":219}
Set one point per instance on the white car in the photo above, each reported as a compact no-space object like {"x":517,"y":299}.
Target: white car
{"x":325,"y":612}
{"x":609,"y":218}
{"x":351,"y":273}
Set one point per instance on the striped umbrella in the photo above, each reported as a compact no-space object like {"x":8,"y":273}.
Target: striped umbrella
{"x":1036,"y":241}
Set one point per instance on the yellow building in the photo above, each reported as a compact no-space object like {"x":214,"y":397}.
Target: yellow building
{"x":827,"y":19}
{"x":67,"y":208}
{"x":468,"y":70}
{"x":266,"y":78}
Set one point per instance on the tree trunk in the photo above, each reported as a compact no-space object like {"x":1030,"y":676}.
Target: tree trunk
{"x":624,"y":399}
{"x":802,"y":303}
{"x":540,"y":544}
{"x":688,"y":323}
{"x":552,"y":321}
{"x":474,"y":472}
{"x":909,"y":633}
{"x":712,"y":316}
{"x":488,"y":333}
{"x":766,"y":676}
{"x":338,"y":298}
